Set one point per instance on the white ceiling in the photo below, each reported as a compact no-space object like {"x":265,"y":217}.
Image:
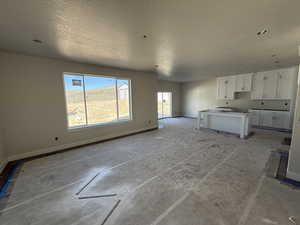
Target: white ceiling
{"x":188,"y":39}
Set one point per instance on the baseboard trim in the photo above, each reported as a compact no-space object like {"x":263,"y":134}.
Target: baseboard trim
{"x":69,"y":146}
{"x":293,"y":176}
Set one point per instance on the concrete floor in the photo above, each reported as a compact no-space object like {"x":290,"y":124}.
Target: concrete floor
{"x":172,"y":176}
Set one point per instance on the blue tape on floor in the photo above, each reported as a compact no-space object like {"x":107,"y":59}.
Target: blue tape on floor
{"x":5,"y":187}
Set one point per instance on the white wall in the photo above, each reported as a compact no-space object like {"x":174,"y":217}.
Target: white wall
{"x":294,"y":156}
{"x":201,"y":95}
{"x":32,"y":92}
{"x":175,"y":88}
{"x":2,"y":155}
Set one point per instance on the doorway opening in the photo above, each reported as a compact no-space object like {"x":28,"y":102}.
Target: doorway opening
{"x":164,"y":104}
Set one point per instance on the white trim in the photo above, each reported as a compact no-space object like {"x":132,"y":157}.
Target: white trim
{"x":74,"y":144}
{"x":3,"y":165}
{"x":292,"y":175}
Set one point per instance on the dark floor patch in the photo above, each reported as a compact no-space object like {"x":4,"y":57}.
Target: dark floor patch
{"x":282,"y":170}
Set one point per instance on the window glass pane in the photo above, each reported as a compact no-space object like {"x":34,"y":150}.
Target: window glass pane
{"x":123,"y":99}
{"x":100,"y":99}
{"x":159,"y":104}
{"x":167,"y":108}
{"x":75,"y":100}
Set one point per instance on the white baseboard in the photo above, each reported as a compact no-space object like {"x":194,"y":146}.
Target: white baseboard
{"x":74,"y":144}
{"x":3,"y":165}
{"x":293,"y":176}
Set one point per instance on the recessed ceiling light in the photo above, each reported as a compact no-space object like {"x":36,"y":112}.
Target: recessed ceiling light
{"x":37,"y":41}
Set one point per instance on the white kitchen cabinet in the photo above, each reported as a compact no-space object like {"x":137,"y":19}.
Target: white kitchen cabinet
{"x":225,"y":88}
{"x":281,"y":120}
{"x":257,"y":86}
{"x":285,"y":85}
{"x":266,"y":118}
{"x":270,"y":85}
{"x":243,"y":83}
{"x":270,"y":118}
{"x":254,"y":117}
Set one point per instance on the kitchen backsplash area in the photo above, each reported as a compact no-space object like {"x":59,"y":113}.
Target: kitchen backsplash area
{"x":243,"y":102}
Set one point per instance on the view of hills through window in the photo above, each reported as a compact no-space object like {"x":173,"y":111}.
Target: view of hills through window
{"x":96,"y":100}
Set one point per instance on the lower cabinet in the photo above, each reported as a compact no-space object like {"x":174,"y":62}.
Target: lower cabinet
{"x":269,"y":118}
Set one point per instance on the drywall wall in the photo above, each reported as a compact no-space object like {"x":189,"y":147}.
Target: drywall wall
{"x":293,"y":171}
{"x":201,"y":95}
{"x":2,"y":155}
{"x":175,"y":88}
{"x":32,"y":92}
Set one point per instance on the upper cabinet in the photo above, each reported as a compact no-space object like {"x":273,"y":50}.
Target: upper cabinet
{"x":273,"y":85}
{"x":285,"y":85}
{"x":226,"y":87}
{"x":243,"y":83}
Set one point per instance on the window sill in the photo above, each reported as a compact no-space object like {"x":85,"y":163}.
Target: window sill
{"x":96,"y":125}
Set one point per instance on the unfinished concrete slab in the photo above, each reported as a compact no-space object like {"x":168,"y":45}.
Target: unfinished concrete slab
{"x":173,"y":175}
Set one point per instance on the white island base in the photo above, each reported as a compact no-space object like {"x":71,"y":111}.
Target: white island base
{"x":232,"y":122}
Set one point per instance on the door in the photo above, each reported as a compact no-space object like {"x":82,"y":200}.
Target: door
{"x":164,"y":104}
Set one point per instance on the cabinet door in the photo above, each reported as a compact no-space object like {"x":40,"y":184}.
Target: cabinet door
{"x":266,"y":118}
{"x":247,"y":82}
{"x":285,"y":85}
{"x":239,"y":83}
{"x":281,"y":120}
{"x":221,"y":88}
{"x":254,"y":117}
{"x":269,"y":85}
{"x":243,"y":82}
{"x":230,"y":87}
{"x":257,"y":91}
{"x":277,"y":120}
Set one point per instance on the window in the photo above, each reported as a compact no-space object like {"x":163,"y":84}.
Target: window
{"x":93,"y":100}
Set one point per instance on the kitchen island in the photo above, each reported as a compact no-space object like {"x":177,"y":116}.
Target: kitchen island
{"x":232,"y":122}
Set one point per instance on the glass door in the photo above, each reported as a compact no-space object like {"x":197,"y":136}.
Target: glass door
{"x":164,"y":104}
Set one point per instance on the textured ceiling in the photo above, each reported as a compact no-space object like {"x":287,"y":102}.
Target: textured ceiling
{"x":187,"y":39}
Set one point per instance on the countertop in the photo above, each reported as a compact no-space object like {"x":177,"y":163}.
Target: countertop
{"x":281,"y":110}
